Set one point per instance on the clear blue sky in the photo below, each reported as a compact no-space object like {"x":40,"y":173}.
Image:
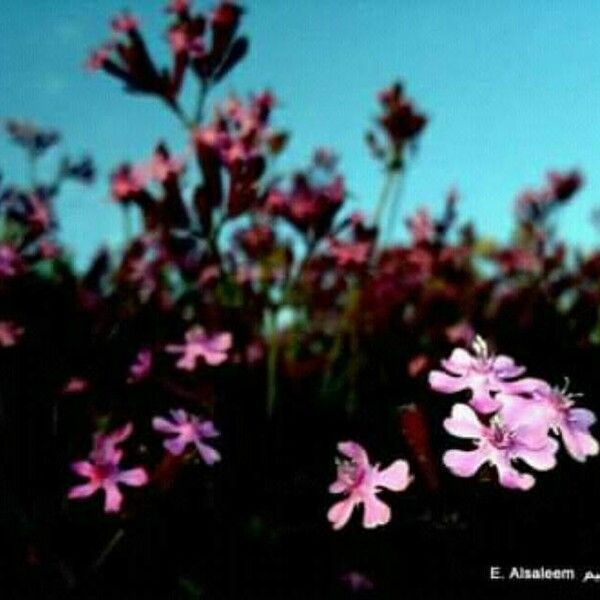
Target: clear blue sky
{"x":512,"y":88}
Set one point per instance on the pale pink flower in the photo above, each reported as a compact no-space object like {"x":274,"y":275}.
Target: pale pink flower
{"x":141,"y":367}
{"x":103,"y":471}
{"x":514,"y":433}
{"x":188,"y":429}
{"x":199,"y":344}
{"x":10,"y":333}
{"x":572,"y":423}
{"x":483,"y":374}
{"x":361,"y":482}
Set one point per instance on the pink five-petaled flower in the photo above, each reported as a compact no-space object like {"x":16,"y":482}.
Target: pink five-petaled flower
{"x":103,"y":471}
{"x":211,"y":347}
{"x":362,"y":481}
{"x":188,"y":429}
{"x":484,"y":374}
{"x":514,"y":433}
{"x":572,"y":423}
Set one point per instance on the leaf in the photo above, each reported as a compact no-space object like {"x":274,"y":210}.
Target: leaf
{"x":238,"y":50}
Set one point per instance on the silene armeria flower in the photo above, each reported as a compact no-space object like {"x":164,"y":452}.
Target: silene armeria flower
{"x":186,"y":429}
{"x":572,"y":423}
{"x":515,"y":433}
{"x":482,"y":373}
{"x":199,"y":344}
{"x":361,"y":482}
{"x":103,"y":471}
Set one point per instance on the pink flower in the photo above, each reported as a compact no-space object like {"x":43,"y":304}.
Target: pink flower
{"x":362,"y":481}
{"x":162,"y":166}
{"x":211,"y":347}
{"x":10,"y":333}
{"x":421,"y":227}
{"x":124,"y":23}
{"x":178,"y":6}
{"x":141,"y":367}
{"x":514,"y":433}
{"x":572,"y":423}
{"x":127,"y":181}
{"x":188,"y":429}
{"x":483,"y":374}
{"x":350,"y":253}
{"x":102,"y":470}
{"x":98,"y":58}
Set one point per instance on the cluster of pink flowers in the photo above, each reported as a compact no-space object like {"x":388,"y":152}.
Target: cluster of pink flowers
{"x":509,"y":417}
{"x":128,"y":182}
{"x":103,"y":470}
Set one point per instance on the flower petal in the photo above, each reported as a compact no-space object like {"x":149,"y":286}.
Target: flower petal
{"x":83,"y":468}
{"x":446,"y":384}
{"x":465,"y":463}
{"x":83,"y":491}
{"x":176,"y":445}
{"x":209,"y":455}
{"x":339,"y":514}
{"x":463,"y":422}
{"x":114,"y":498}
{"x":396,"y":477}
{"x":134,"y":477}
{"x":376,"y":512}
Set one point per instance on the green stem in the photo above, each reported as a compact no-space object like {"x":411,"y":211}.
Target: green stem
{"x":273,"y":351}
{"x":388,"y":183}
{"x":394,"y":211}
{"x":126,"y":224}
{"x":112,"y":544}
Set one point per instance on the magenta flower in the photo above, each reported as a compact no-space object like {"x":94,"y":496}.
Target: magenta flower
{"x":362,"y":481}
{"x":128,"y":181}
{"x":10,"y":333}
{"x":103,"y":471}
{"x":188,"y":429}
{"x":484,"y":375}
{"x":162,"y":167}
{"x":199,"y":344}
{"x":514,"y":433}
{"x":141,"y":367}
{"x":349,"y":254}
{"x":572,"y":423}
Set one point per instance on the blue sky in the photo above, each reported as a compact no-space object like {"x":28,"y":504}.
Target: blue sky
{"x":512,"y":88}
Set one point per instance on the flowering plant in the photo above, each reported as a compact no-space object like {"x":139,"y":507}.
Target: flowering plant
{"x":249,"y":326}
